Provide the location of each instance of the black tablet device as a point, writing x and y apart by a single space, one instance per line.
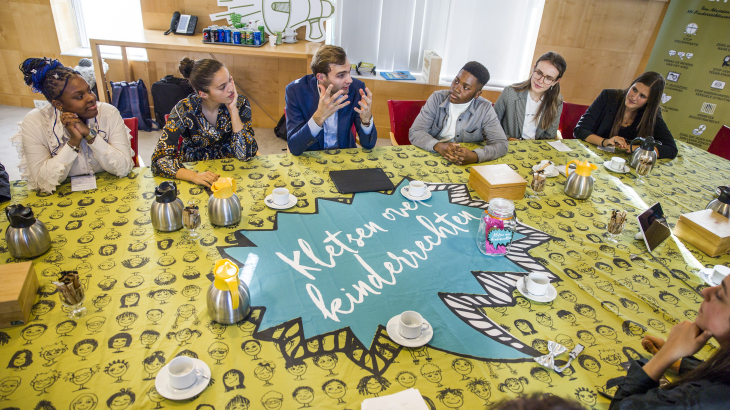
361 180
653 225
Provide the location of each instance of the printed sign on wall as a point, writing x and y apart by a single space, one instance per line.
692 52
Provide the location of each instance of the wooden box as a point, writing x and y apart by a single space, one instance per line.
431 67
497 181
707 230
17 295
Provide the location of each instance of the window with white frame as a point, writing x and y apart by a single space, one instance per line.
392 34
111 20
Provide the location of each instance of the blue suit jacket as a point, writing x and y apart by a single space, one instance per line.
302 98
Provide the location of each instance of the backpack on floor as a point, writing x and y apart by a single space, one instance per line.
166 93
132 101
280 129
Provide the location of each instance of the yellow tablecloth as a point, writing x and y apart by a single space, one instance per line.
146 290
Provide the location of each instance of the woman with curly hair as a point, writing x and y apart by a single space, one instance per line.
73 135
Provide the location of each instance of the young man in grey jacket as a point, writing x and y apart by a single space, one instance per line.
460 115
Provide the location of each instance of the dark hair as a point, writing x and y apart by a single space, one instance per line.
123 335
123 392
539 401
238 399
362 385
715 369
44 405
158 355
330 381
240 380
532 330
123 300
199 72
326 55
319 357
28 359
444 392
298 389
652 109
476 69
73 322
84 342
547 112
46 76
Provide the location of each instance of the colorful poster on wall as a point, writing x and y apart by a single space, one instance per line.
692 51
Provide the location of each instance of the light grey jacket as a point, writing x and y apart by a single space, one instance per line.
510 109
478 123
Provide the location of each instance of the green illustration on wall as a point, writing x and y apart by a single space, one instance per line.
280 15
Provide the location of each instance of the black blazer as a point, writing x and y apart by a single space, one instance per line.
599 120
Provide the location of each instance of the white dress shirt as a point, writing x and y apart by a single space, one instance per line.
47 160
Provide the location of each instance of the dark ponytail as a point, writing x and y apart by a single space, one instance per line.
46 76
199 72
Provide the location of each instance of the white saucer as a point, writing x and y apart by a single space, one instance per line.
392 329
706 274
607 164
269 201
551 294
426 195
553 175
163 386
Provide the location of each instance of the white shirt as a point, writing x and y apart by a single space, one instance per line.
449 130
529 128
330 128
46 160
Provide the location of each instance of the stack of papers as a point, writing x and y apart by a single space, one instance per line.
406 400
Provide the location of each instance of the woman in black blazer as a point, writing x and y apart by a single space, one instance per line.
616 117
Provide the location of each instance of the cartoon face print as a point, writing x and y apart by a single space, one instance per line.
66 327
611 357
165 278
8 386
335 389
101 301
586 396
218 351
217 329
272 400
117 369
148 338
481 388
33 332
247 328
568 296
161 295
126 319
523 303
587 311
82 376
406 379
567 317
264 371
155 397
129 300
154 315
587 337
632 328
463 367
544 319
41 308
541 375
85 347
252 348
50 353
326 361
20 360
121 400
42 381
191 291
565 340
451 398
432 373
134 281
608 333
657 325
303 395
372 385
297 370
515 385
589 363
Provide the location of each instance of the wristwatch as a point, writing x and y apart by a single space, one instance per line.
91 137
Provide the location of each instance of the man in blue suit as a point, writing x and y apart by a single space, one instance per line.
322 107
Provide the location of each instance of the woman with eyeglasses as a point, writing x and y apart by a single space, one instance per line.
531 110
73 135
617 117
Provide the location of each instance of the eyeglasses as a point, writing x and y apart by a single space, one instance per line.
546 79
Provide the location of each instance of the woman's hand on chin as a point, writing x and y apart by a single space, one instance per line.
685 339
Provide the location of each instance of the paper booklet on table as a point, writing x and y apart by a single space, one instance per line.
409 399
350 181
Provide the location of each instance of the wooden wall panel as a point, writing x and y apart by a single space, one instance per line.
605 43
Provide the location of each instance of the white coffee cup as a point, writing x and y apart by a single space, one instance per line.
281 196
618 163
719 272
181 372
411 324
416 189
272 41
537 283
550 169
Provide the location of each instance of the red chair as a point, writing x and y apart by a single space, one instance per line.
569 119
133 125
402 114
721 144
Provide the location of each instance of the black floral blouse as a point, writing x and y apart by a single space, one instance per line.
199 140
